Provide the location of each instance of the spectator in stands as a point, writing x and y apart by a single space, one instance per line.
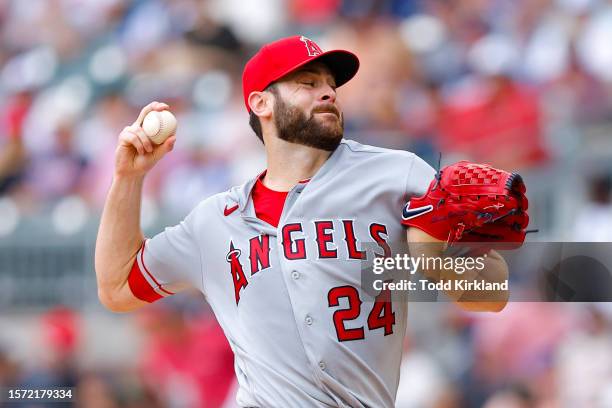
9 370
13 156
56 172
58 352
593 223
517 396
187 361
584 360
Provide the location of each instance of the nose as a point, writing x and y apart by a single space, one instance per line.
328 94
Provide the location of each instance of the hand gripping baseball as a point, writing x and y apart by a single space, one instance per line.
136 154
469 202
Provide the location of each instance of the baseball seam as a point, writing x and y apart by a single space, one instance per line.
161 126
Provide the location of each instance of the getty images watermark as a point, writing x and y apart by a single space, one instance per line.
464 273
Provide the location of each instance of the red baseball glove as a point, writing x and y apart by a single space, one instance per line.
469 202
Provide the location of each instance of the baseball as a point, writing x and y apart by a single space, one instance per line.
159 126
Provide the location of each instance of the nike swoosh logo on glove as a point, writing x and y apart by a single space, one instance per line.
408 213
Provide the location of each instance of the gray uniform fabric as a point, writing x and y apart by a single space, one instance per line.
291 349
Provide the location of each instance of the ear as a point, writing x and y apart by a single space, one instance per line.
261 103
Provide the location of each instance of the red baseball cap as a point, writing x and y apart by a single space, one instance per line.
281 57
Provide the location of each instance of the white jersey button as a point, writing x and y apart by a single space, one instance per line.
322 365
308 320
295 275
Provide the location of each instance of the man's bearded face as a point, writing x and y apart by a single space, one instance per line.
322 128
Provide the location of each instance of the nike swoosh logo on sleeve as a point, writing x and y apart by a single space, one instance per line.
228 211
408 213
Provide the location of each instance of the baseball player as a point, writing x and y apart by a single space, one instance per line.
278 258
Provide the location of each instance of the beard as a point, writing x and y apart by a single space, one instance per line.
295 127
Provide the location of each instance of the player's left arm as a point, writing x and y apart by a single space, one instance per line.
495 271
467 207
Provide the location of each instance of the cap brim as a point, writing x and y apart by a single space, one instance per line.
343 64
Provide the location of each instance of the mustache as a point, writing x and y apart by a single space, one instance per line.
328 107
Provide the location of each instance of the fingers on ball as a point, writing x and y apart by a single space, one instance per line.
144 139
137 143
156 106
153 106
160 106
170 142
143 113
130 136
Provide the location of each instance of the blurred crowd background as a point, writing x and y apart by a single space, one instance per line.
523 85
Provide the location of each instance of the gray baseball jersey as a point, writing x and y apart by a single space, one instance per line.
289 298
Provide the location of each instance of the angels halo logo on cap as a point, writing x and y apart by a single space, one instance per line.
279 58
311 46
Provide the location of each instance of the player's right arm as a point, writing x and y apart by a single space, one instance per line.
120 236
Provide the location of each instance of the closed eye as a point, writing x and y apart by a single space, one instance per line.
308 83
